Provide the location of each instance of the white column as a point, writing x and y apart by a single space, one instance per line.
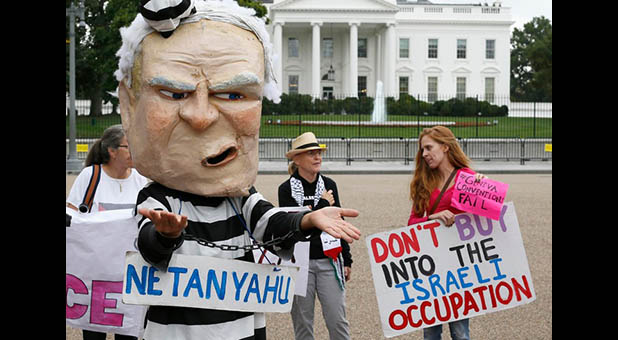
345 69
390 50
379 71
277 44
353 74
315 60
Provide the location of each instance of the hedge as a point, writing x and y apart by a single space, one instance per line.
406 105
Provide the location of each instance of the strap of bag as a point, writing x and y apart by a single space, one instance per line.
448 181
91 189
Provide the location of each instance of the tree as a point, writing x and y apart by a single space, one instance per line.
96 47
95 52
531 61
260 10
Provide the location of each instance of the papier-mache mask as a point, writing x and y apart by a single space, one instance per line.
191 99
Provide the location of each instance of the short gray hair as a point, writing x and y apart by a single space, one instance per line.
227 11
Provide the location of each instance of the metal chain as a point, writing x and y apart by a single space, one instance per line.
233 247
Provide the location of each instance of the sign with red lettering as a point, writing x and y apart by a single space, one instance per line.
429 274
484 197
95 254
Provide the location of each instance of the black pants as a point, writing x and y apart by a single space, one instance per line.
90 335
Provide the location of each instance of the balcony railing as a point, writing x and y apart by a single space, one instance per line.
453 12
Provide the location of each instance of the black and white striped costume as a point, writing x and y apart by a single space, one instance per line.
213 219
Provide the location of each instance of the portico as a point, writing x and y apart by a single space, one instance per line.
326 34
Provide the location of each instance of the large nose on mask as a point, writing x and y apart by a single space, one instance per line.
200 113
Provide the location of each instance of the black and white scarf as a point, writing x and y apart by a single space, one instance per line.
298 193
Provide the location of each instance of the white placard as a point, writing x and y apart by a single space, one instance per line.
209 282
428 274
96 244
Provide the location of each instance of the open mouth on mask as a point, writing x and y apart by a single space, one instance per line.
221 158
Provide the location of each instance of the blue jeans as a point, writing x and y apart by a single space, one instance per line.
460 330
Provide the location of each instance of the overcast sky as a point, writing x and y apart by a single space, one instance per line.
522 11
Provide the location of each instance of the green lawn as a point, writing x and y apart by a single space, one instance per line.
92 127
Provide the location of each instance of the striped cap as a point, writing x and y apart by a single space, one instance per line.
164 15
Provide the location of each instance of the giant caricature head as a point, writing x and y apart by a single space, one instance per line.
191 102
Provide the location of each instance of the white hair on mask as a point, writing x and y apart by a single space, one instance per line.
227 11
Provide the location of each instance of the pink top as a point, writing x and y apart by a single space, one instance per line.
445 201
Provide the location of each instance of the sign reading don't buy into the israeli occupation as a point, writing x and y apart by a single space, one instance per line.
428 274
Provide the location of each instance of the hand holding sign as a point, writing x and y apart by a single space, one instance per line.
483 197
446 216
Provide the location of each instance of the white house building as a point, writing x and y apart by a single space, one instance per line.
344 47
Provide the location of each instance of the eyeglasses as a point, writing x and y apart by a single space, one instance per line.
123 146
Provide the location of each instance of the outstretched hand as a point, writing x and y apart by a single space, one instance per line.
167 223
329 220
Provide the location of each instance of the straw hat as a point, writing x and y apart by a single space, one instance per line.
304 142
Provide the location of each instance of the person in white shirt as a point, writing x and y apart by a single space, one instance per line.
117 188
119 183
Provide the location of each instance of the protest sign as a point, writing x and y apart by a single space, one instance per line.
429 274
484 197
208 282
95 249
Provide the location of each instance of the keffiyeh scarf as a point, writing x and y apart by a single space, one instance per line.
330 245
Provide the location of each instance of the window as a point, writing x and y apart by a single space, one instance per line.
432 89
362 48
461 88
293 84
461 48
432 49
403 85
362 86
490 49
327 92
293 47
490 89
404 48
327 47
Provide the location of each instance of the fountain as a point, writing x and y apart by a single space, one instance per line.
379 106
378 118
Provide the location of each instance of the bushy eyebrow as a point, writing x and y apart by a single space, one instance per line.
172 84
239 80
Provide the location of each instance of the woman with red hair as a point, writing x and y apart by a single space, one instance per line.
438 160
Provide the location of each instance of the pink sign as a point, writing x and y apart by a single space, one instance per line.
484 198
